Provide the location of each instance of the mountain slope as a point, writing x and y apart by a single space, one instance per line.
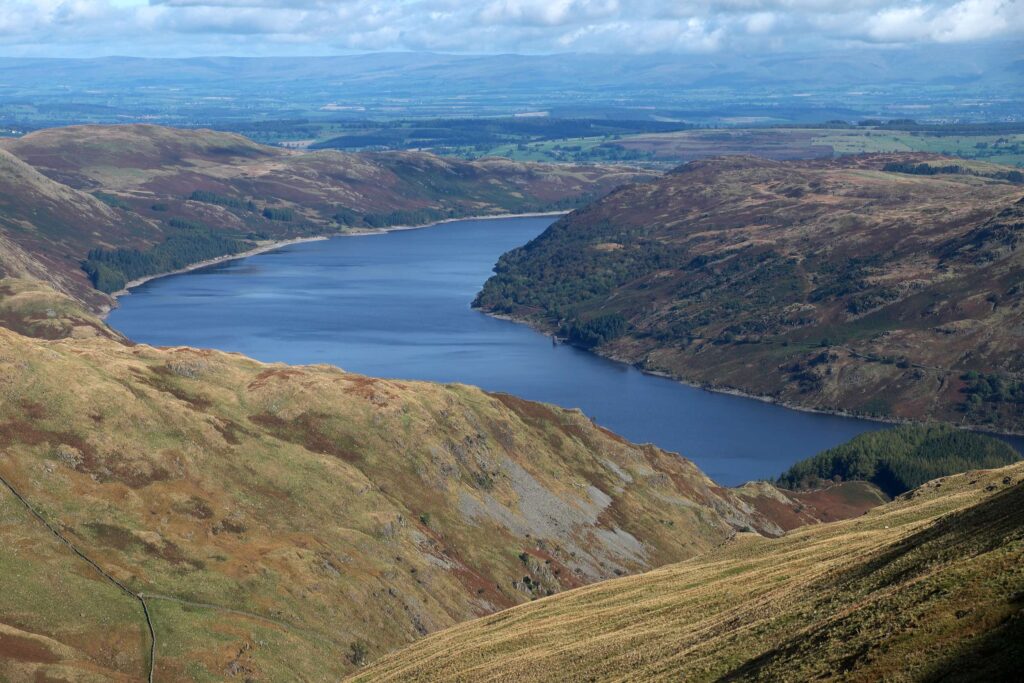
835 285
282 522
46 228
66 191
928 587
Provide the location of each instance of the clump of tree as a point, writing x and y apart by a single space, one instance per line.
279 214
956 169
596 331
112 201
407 217
899 459
347 217
987 394
208 197
110 270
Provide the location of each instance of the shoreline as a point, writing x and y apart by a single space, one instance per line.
732 391
260 248
268 246
363 232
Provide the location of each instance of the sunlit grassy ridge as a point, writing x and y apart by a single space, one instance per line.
928 587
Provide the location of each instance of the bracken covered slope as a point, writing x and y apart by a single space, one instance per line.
285 523
65 191
836 285
928 587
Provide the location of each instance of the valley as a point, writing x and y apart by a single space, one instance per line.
397 305
157 199
512 341
218 516
280 521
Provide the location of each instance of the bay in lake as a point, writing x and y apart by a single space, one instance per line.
398 305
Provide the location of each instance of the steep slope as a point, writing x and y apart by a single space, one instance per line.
66 191
928 587
47 228
833 285
282 522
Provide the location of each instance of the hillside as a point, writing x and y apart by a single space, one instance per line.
46 228
152 199
928 587
835 285
280 522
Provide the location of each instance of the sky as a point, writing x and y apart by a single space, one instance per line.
182 28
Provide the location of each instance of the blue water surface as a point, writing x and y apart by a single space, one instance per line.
398 305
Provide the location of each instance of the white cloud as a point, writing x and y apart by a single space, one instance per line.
64 27
963 21
761 22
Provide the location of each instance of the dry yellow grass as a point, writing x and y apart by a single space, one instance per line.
928 586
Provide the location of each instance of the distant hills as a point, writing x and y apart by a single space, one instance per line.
861 285
933 82
140 200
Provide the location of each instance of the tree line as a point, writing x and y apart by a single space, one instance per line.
110 270
897 460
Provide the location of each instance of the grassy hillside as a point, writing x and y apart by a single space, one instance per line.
928 587
897 460
282 522
827 284
138 200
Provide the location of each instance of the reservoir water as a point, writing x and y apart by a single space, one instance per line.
398 305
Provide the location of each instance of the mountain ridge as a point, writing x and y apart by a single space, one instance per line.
835 285
927 587
157 198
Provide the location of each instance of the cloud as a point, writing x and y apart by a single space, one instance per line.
175 27
964 21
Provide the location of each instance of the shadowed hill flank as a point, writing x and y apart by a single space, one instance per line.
139 200
928 587
834 285
295 522
47 228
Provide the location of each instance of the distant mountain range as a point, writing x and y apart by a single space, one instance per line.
702 88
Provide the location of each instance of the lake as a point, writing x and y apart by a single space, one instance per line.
398 305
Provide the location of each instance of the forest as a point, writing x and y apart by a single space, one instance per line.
899 459
111 270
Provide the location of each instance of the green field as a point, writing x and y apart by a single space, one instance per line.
1001 149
